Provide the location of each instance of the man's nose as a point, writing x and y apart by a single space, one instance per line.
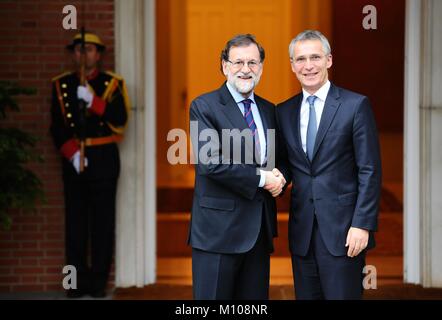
308 64
246 66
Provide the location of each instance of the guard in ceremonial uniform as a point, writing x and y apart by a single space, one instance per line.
89 194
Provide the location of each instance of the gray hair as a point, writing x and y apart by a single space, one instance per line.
240 40
310 35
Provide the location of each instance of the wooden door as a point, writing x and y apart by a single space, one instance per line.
210 24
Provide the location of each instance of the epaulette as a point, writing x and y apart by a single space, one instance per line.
61 75
114 75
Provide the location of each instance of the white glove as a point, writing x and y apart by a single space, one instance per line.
85 94
75 160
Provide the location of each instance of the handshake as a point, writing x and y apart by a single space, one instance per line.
274 182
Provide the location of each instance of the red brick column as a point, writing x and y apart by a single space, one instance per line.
32 51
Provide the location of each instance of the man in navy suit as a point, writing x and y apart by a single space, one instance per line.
330 152
233 218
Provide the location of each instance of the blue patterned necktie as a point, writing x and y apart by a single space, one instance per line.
312 127
248 116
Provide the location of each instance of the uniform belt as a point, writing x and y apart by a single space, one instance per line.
102 140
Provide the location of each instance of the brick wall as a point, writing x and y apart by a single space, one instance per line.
32 51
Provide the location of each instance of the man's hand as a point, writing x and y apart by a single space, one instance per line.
357 240
274 182
75 160
278 173
85 94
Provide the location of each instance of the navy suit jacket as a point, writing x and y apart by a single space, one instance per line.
228 206
342 183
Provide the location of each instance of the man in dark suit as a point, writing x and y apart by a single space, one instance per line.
89 194
330 151
233 213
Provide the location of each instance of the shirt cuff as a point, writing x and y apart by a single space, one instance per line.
98 106
262 179
69 148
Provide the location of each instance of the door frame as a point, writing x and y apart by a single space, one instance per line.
138 266
135 257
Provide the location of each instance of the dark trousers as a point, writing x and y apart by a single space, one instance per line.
242 276
90 222
320 275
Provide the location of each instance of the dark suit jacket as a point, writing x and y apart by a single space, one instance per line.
228 205
342 183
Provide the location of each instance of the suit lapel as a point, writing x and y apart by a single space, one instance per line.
263 112
265 119
295 111
231 110
295 120
233 114
331 106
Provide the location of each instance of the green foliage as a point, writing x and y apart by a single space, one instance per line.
20 188
7 92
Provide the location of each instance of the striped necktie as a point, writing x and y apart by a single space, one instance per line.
248 116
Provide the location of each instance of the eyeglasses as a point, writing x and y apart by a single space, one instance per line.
302 60
239 64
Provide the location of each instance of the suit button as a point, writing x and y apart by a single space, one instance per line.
311 200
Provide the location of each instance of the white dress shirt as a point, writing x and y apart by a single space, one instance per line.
319 103
257 118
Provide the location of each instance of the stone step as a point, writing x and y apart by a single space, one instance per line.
172 230
390 199
178 270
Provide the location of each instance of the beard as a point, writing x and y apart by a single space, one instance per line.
243 86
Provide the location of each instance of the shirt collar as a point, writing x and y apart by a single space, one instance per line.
237 96
321 94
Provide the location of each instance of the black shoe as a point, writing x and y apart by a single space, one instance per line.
98 294
75 293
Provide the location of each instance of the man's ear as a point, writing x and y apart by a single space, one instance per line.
329 61
225 71
292 65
